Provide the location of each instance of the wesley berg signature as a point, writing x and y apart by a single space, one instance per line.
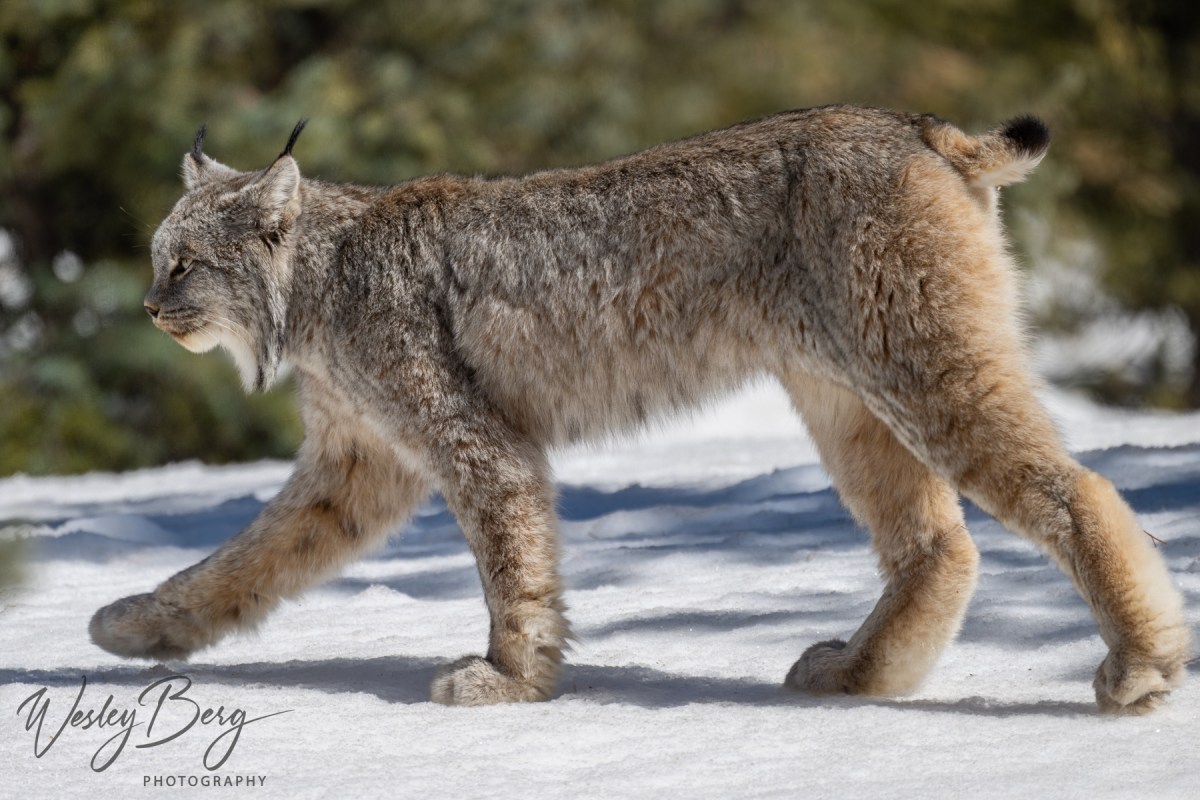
164 711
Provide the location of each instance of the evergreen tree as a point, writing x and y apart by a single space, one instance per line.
99 99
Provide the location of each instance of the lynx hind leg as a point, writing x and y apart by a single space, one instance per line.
343 498
1006 457
936 353
974 416
500 491
1113 563
917 530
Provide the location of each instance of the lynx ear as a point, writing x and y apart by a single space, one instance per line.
199 169
276 194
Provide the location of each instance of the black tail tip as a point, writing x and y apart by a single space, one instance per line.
1029 134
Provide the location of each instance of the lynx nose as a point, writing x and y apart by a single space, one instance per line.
151 309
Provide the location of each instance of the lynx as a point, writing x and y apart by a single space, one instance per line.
447 331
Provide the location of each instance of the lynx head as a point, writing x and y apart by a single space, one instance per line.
222 260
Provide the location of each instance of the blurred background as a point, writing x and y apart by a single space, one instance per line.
99 100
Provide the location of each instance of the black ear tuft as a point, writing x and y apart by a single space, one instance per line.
198 145
287 151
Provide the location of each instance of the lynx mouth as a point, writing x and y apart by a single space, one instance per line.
200 340
197 338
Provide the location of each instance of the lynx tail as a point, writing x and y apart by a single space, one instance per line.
999 158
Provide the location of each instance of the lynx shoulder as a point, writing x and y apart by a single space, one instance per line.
446 331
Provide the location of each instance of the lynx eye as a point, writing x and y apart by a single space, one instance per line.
182 267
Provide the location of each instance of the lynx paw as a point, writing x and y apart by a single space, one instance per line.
822 670
141 626
1131 685
475 681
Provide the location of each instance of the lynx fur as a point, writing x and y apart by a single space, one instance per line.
446 331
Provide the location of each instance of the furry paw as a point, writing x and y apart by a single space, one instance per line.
475 681
821 670
141 626
1131 685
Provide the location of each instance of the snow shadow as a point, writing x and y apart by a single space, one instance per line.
788 501
406 680
636 517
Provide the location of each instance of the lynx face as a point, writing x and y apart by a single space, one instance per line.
221 263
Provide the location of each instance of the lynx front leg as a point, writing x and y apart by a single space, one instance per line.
924 550
343 498
498 487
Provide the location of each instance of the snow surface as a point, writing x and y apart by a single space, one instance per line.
700 560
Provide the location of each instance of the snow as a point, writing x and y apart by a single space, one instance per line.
700 560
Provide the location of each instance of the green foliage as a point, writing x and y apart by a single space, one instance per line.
99 100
